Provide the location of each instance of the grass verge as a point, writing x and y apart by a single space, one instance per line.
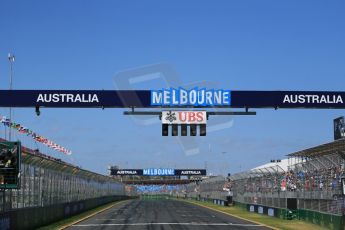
84 215
273 222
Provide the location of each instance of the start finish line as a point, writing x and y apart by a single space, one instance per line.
172 98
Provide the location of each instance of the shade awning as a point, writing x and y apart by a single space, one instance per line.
337 146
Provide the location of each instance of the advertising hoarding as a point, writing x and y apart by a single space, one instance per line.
158 172
339 128
184 117
10 160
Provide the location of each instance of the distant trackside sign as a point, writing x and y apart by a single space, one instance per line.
158 172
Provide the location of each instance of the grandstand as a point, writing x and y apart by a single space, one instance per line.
307 185
311 181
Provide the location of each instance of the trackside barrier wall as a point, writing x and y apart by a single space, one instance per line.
210 200
324 219
34 217
154 197
52 189
327 220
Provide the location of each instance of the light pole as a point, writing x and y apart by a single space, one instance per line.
11 59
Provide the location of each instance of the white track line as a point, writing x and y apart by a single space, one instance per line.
147 224
114 219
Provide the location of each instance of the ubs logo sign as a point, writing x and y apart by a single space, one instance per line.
184 117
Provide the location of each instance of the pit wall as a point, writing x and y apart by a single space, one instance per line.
221 202
212 195
154 196
34 217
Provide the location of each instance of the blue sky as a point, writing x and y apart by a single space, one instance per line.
254 45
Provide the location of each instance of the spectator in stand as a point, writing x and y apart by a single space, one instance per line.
283 185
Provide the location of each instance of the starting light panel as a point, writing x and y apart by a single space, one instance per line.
193 130
203 130
165 130
183 130
174 130
10 161
183 119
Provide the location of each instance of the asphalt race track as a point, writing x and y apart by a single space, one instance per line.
162 214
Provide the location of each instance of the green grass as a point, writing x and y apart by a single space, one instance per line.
65 222
263 219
